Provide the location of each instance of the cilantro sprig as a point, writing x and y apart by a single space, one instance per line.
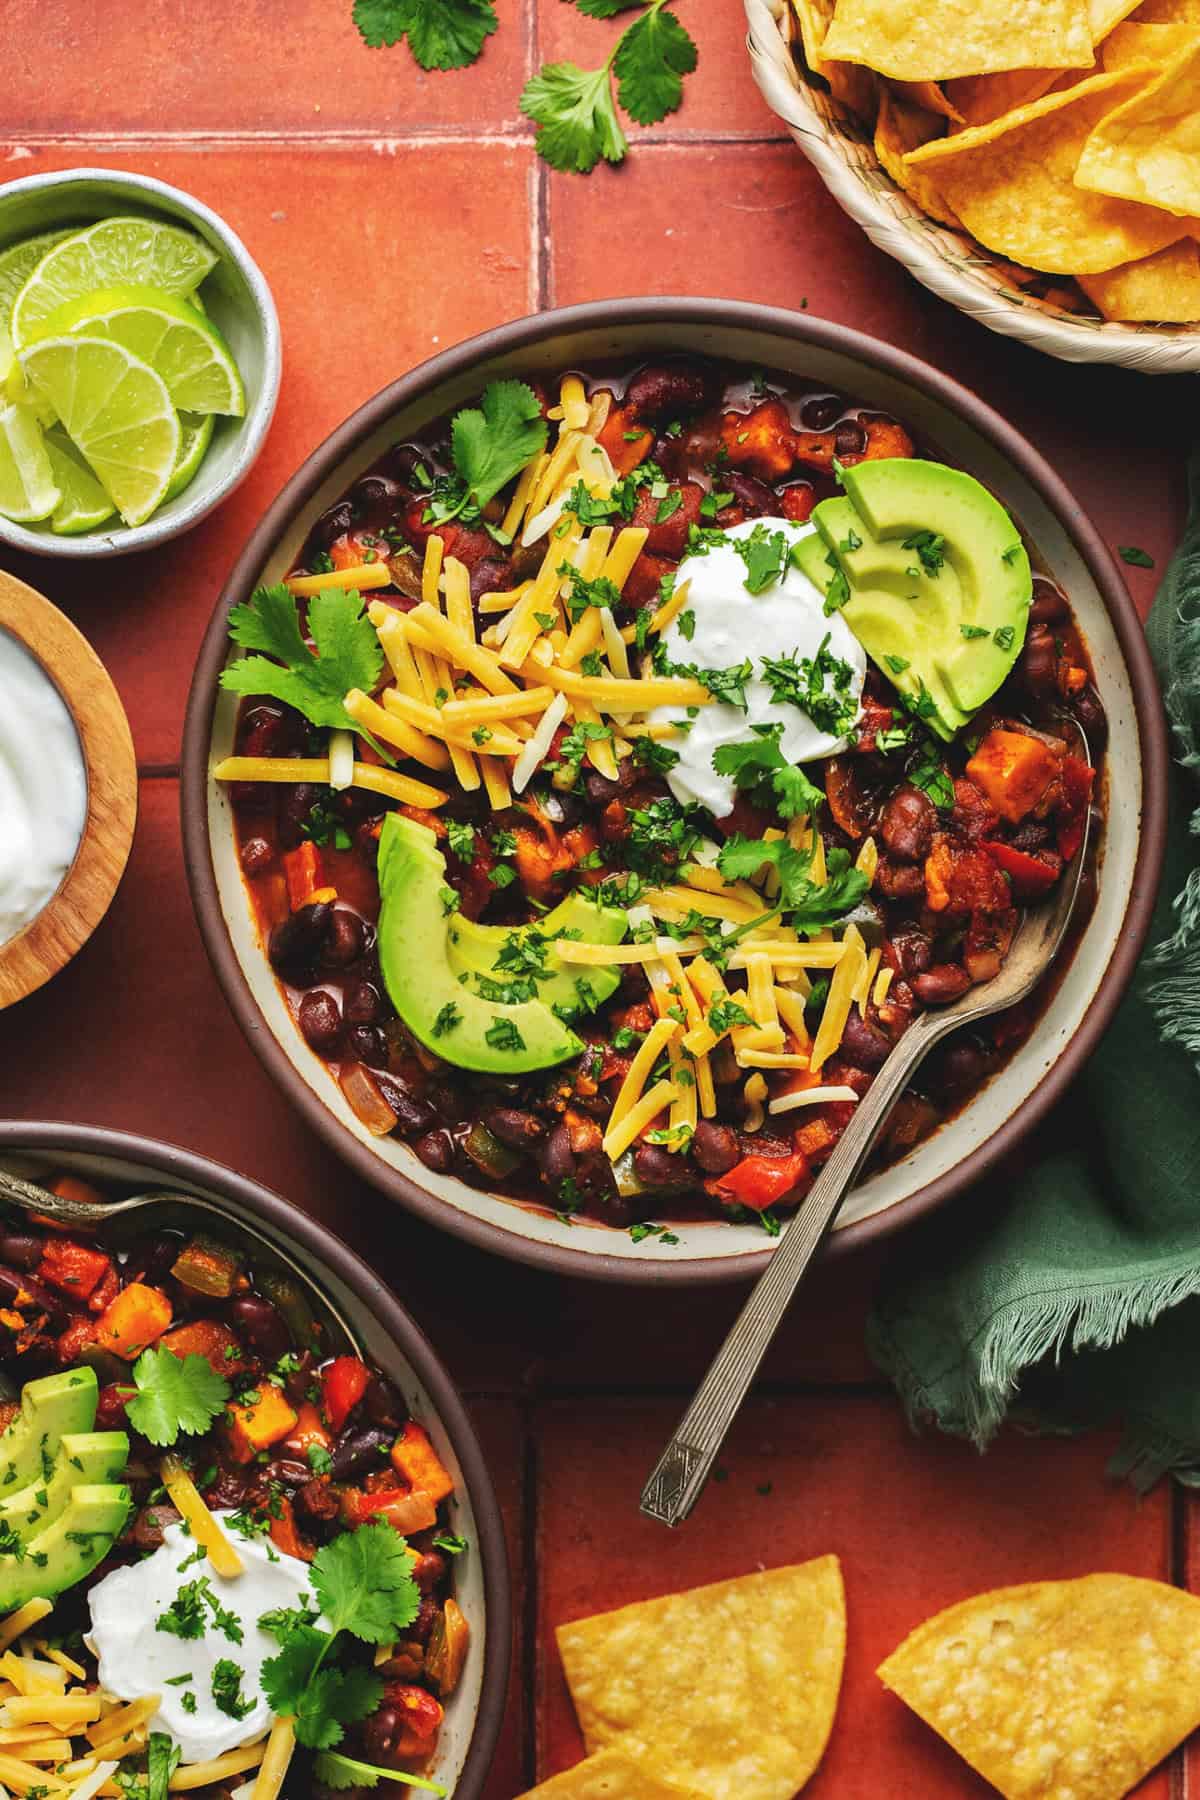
760 768
442 34
810 905
345 654
176 1396
576 109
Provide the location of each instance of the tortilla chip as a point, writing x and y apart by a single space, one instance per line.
1012 183
1168 12
1158 44
982 98
851 86
1163 289
943 38
609 1776
1058 1687
814 17
1105 15
1149 148
899 129
730 1690
931 96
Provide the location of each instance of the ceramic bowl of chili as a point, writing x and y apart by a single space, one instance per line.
862 389
74 1287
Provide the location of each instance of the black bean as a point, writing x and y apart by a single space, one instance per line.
21 1249
413 1112
362 1003
436 1151
1039 663
256 856
557 1159
150 1524
366 842
821 411
367 1043
715 1147
17 1288
344 941
1089 710
518 1129
357 1451
755 498
374 498
403 461
958 1069
382 1733
150 1257
320 1021
383 1404
1048 604
656 1167
288 1472
334 523
450 1104
261 1324
849 438
292 812
296 941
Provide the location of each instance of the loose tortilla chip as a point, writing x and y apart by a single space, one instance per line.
1012 183
1163 289
1158 44
1149 148
609 1776
729 1690
943 38
899 129
1058 1687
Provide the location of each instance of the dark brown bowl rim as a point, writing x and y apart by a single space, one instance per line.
803 328
194 1170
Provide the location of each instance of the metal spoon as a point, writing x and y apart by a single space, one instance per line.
32 1198
685 1465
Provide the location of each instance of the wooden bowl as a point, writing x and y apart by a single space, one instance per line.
67 921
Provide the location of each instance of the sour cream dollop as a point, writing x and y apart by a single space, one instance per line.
43 788
136 1658
729 625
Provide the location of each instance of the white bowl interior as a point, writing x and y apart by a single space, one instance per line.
462 1708
237 301
706 1242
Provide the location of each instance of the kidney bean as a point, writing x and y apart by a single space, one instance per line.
403 460
17 1288
367 1043
297 1381
715 1147
294 806
295 943
333 523
958 1069
941 984
898 880
413 1112
256 856
755 498
864 1044
906 824
150 1257
374 498
228 1491
357 1451
1048 604
318 1499
1039 663
345 939
1089 710
366 841
428 1570
261 1324
557 1159
362 1003
519 1130
656 1167
151 1522
849 438
913 950
288 1472
663 392
383 1404
22 1249
436 1151
821 411
320 1021
421 1629
489 576
381 1733
449 1103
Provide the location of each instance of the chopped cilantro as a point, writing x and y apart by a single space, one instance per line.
974 631
1003 636
449 1019
503 1035
930 547
819 685
227 1689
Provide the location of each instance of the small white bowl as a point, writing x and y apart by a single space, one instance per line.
949 262
239 302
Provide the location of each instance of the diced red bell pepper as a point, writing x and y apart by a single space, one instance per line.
406 1513
1031 878
421 1713
103 1296
73 1268
759 1181
343 1383
305 876
1077 778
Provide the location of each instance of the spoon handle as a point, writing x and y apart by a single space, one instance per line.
687 1462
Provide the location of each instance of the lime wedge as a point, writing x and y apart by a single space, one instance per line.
83 503
17 264
197 435
181 345
113 253
27 490
116 411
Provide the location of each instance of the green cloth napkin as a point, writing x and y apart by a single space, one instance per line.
1070 1295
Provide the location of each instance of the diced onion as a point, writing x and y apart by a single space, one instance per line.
341 759
525 765
813 1096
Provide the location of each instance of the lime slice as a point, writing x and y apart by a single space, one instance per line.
27 490
113 253
116 411
17 264
197 431
83 504
181 345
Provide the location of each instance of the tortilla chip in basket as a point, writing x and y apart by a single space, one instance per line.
1163 289
1136 43
609 1776
943 38
1148 149
851 86
1169 12
1012 183
1058 1687
982 98
728 1690
899 129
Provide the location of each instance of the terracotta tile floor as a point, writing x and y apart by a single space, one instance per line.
395 213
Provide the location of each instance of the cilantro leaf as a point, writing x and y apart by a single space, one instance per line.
765 554
286 1675
577 115
442 34
175 1396
162 1760
761 764
362 1583
605 9
1136 556
347 649
493 441
650 62
333 1699
811 905
336 1771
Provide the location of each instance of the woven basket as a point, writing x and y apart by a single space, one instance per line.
840 148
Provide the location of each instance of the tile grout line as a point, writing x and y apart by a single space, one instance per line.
22 145
541 271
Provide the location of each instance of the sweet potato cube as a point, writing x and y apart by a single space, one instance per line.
1014 772
212 1340
136 1319
256 1423
417 1462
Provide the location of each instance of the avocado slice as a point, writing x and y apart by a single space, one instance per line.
570 989
901 498
50 1408
85 1458
432 997
67 1550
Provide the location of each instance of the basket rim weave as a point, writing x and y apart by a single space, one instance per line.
946 261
